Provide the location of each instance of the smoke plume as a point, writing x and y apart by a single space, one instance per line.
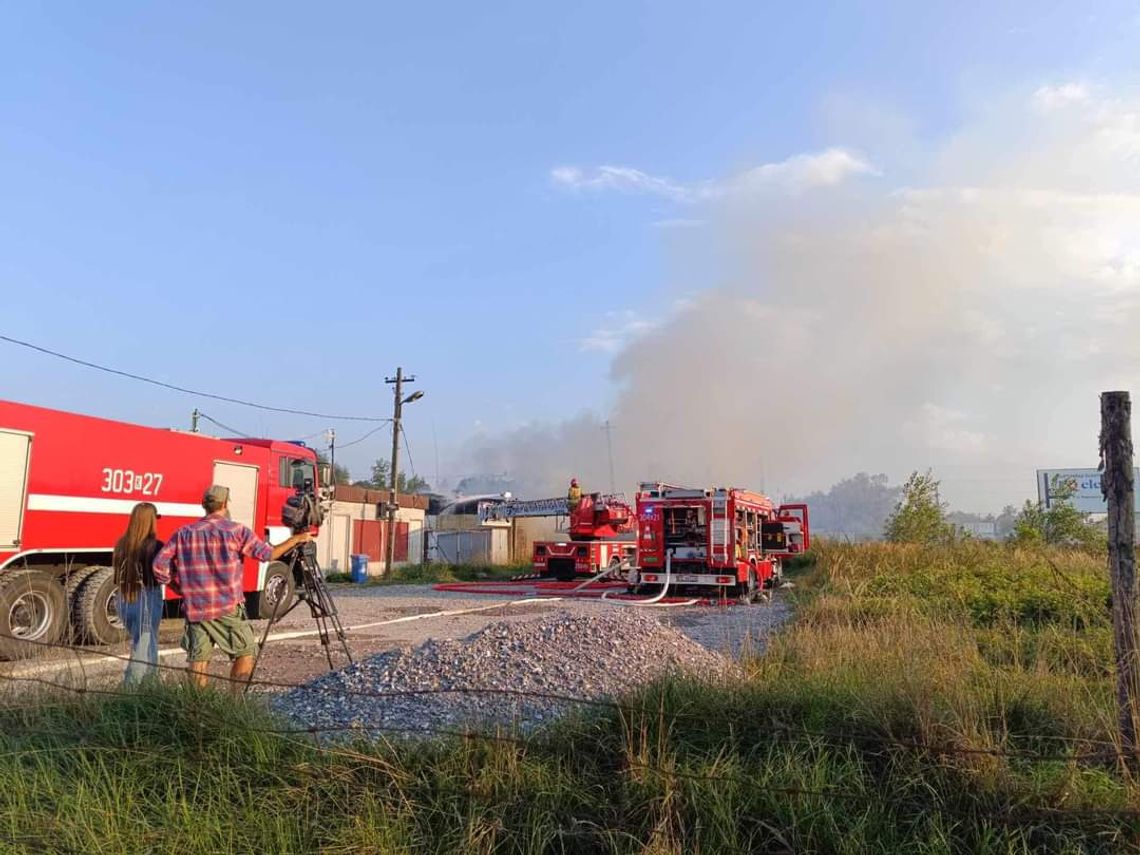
963 317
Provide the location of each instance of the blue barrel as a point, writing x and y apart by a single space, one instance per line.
359 568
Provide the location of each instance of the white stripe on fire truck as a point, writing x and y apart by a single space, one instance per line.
93 505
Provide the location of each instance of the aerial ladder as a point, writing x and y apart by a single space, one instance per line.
600 529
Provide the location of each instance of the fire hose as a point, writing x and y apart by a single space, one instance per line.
561 590
655 600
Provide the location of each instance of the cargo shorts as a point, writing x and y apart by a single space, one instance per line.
231 633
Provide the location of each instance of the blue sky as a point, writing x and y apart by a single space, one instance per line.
283 202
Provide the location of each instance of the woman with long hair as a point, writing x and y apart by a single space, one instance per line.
140 597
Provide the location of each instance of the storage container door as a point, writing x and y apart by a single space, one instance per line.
242 481
13 484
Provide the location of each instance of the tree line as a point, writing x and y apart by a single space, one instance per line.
869 507
379 478
919 516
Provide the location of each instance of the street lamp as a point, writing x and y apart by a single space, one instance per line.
393 505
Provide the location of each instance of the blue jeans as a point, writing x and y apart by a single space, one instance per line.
141 619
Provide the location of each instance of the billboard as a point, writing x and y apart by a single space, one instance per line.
1085 482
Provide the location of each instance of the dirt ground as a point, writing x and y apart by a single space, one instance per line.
378 619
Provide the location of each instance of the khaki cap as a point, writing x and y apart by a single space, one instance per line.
216 494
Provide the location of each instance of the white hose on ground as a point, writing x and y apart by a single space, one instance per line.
655 600
593 579
647 605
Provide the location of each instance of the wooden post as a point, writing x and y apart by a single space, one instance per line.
1119 491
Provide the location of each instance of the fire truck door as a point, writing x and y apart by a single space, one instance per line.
13 485
242 481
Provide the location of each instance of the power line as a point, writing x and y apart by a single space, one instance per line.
321 432
183 389
1014 813
839 738
231 430
345 445
408 448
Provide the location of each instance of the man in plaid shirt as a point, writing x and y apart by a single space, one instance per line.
204 560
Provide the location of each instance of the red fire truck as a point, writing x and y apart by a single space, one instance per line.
68 483
600 533
730 539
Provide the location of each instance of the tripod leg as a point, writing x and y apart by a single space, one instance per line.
315 592
276 616
323 629
257 656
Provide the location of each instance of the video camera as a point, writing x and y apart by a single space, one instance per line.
303 510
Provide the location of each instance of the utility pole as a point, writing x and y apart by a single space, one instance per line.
332 455
399 400
194 420
610 448
1119 489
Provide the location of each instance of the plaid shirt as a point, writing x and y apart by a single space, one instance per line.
205 560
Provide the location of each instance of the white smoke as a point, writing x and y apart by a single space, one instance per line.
965 321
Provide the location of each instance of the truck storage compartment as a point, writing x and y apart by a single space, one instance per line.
685 526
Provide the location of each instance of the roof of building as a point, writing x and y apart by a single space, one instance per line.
370 496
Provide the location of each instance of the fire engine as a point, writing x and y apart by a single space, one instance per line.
600 533
729 539
67 485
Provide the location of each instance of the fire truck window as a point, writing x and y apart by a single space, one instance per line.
295 472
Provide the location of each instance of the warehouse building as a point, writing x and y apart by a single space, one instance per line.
357 525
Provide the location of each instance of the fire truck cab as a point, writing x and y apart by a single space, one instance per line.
728 539
68 483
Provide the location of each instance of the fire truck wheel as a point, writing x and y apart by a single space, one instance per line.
277 595
748 591
96 614
33 612
75 579
71 588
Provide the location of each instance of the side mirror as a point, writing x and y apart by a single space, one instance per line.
324 472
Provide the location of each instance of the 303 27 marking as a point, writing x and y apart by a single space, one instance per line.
128 481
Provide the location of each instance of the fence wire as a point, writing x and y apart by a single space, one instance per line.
1105 751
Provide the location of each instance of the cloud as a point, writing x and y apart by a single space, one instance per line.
618 331
796 173
825 169
1055 97
622 328
620 178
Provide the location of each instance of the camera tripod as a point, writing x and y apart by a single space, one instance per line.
313 590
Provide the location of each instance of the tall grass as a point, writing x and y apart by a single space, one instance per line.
879 722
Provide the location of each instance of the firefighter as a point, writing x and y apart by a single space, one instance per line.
574 495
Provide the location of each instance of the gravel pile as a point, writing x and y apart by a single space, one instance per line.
580 656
